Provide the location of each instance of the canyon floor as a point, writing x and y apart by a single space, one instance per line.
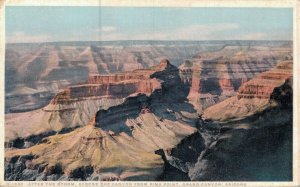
149 111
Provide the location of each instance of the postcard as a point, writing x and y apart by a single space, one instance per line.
149 93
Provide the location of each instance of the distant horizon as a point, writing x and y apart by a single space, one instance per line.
147 41
60 24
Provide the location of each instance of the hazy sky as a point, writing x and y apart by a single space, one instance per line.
44 24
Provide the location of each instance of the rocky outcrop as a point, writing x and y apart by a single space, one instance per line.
76 105
242 146
50 67
262 86
111 90
119 142
84 154
36 66
215 76
252 96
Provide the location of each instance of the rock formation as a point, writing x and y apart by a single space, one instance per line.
116 141
146 124
85 153
215 76
247 137
75 105
252 96
36 72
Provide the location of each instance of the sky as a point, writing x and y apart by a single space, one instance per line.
49 24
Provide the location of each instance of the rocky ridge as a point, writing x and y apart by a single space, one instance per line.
115 137
253 95
247 137
36 72
76 105
215 76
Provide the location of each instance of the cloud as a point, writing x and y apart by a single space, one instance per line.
193 32
112 37
275 35
221 31
107 29
21 37
254 36
201 32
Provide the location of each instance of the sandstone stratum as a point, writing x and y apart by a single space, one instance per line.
215 76
254 95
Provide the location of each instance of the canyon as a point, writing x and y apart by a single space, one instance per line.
132 119
35 73
151 119
247 137
215 76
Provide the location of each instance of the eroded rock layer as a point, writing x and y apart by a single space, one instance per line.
117 142
77 104
36 72
253 95
215 76
247 137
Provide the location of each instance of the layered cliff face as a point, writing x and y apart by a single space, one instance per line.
111 86
253 96
36 72
77 104
247 137
215 76
87 153
118 142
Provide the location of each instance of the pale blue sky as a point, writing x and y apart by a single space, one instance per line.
44 24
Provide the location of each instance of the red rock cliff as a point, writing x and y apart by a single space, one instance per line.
118 85
264 84
253 96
